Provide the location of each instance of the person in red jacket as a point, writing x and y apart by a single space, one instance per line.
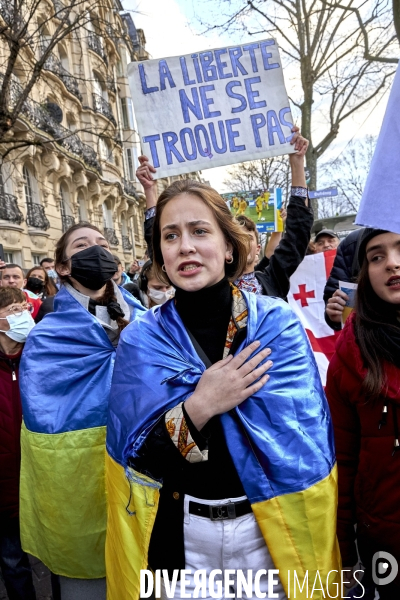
15 324
363 390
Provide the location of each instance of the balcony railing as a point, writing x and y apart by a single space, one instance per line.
67 221
111 236
9 210
126 243
100 105
40 117
53 64
129 188
36 217
95 43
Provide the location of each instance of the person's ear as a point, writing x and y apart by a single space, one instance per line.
24 284
64 269
229 250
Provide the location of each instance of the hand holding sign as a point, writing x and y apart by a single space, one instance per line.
144 174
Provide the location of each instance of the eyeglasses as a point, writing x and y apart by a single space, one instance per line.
15 310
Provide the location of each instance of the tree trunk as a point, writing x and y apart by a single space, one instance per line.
396 17
306 126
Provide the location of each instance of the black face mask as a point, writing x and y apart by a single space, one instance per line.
35 285
93 267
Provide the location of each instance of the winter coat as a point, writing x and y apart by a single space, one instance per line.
10 428
345 268
369 491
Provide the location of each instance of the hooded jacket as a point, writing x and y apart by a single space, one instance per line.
369 494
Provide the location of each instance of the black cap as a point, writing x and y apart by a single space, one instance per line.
329 232
367 235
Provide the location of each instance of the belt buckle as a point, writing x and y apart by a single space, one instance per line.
222 512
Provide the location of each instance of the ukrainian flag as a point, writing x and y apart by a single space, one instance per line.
280 439
65 374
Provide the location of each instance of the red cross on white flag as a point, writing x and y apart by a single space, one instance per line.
306 299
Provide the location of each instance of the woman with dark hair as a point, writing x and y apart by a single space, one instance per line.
66 375
363 384
218 458
154 291
38 282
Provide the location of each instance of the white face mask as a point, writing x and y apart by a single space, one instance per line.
20 326
160 297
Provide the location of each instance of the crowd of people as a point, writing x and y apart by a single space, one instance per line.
196 381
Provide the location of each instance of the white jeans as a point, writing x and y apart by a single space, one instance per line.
235 544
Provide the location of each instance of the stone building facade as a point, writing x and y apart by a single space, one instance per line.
81 162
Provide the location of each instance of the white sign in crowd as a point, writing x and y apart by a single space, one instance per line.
212 108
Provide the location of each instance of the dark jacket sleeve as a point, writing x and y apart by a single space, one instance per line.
345 268
291 250
347 441
148 236
263 264
46 307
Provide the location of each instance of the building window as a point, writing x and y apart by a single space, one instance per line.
129 162
127 113
8 257
83 215
36 258
29 193
105 150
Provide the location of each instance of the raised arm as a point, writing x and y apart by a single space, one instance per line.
290 251
145 175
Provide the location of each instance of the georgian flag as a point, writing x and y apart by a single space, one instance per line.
306 299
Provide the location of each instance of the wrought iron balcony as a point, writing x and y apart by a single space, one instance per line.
113 34
36 217
111 236
100 105
126 243
129 188
95 43
67 221
53 64
9 210
41 118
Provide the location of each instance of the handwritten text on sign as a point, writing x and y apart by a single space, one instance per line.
212 108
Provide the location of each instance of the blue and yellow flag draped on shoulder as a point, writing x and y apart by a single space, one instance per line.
65 379
280 439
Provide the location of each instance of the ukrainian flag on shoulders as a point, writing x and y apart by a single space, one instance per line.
65 380
280 439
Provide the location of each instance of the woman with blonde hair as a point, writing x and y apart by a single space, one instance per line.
220 460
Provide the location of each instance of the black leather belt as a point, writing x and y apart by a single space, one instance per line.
220 512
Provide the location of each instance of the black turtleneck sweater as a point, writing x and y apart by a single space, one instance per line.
206 314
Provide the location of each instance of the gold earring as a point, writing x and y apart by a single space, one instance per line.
230 260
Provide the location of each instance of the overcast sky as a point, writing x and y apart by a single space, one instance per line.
172 28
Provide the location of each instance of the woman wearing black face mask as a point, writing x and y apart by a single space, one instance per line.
38 282
65 381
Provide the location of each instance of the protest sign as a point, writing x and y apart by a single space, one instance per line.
379 203
212 108
260 206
